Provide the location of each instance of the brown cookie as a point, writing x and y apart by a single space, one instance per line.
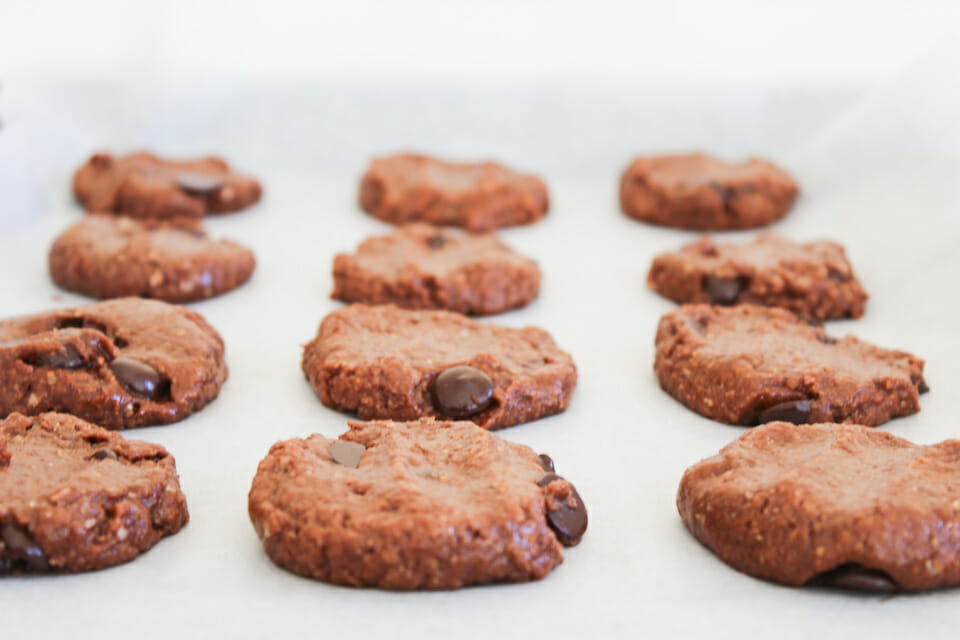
750 365
420 266
122 363
385 362
115 256
141 185
814 280
477 196
696 191
830 505
413 505
75 497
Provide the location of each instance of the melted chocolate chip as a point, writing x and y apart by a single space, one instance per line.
462 391
920 383
21 551
69 358
103 454
346 453
724 291
436 241
198 184
546 462
140 378
795 411
855 577
68 323
568 524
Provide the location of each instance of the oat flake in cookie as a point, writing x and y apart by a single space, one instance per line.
749 365
420 266
75 497
414 505
477 196
830 505
697 191
142 185
390 363
122 363
814 280
116 256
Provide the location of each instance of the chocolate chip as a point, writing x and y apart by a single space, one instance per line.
795 411
725 193
68 323
103 454
346 453
837 276
568 524
546 462
855 577
198 184
436 241
140 378
462 391
920 383
825 339
724 291
69 358
21 550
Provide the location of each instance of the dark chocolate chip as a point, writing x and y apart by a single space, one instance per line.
103 454
68 323
795 411
198 184
547 479
436 241
140 378
462 391
69 358
825 339
837 276
724 291
920 383
855 577
546 462
346 453
568 524
21 550
725 193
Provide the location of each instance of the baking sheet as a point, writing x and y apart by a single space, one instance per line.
879 173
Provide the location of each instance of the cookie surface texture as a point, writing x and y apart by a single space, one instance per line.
748 365
413 505
420 266
122 363
75 497
697 191
477 196
390 363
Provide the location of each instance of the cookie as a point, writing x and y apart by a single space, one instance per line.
414 505
749 365
386 362
75 497
477 196
142 185
122 363
696 191
420 266
830 505
814 280
116 256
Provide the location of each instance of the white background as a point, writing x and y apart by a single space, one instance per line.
859 100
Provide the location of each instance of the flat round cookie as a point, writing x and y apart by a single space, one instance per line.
414 505
420 266
116 256
477 196
122 363
142 185
749 365
814 279
75 497
697 191
386 362
830 505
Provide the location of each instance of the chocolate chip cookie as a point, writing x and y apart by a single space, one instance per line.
830 505
116 256
814 280
75 497
420 266
122 363
697 191
478 196
749 365
386 362
142 185
414 505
